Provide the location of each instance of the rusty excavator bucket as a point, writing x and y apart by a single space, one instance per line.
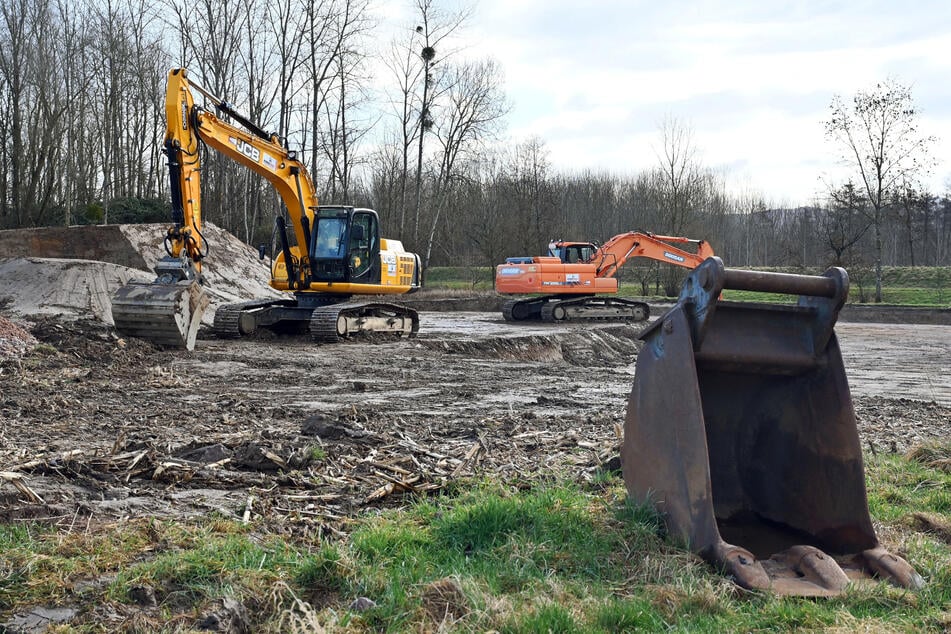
740 430
167 311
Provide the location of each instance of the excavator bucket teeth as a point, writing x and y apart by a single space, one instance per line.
165 314
740 430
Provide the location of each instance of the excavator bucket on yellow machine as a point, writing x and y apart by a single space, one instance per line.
740 430
167 311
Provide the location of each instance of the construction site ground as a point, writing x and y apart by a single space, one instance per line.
103 428
98 428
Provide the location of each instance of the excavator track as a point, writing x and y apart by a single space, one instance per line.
557 308
595 308
336 322
522 309
236 320
226 323
168 315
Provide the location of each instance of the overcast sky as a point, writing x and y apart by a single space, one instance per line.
753 80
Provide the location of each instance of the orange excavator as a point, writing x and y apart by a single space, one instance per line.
570 282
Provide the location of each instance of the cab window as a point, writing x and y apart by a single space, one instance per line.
363 233
330 238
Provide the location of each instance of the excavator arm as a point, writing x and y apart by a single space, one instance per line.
250 146
614 253
181 149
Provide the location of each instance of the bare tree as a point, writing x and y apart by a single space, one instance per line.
529 171
34 111
414 62
78 172
880 142
474 105
288 24
844 223
211 33
258 66
400 59
680 178
911 208
15 45
343 98
682 188
943 230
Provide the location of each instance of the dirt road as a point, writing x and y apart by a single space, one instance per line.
898 360
894 361
310 436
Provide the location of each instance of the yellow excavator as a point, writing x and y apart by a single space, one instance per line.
331 254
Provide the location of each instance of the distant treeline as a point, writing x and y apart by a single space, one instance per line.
81 125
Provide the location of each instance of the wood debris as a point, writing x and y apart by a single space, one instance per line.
19 483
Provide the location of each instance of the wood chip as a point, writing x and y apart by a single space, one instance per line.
18 482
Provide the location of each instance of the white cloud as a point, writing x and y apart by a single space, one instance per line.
594 80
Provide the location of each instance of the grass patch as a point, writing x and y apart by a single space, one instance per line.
899 485
552 558
935 454
316 453
460 277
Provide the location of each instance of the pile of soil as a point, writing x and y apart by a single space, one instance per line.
14 340
70 289
50 281
233 271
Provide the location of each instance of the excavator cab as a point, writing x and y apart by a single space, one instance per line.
345 245
572 252
740 430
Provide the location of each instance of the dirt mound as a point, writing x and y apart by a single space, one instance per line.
14 341
612 345
66 288
52 280
232 270
92 342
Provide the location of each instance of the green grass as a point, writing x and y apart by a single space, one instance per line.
460 277
558 557
316 453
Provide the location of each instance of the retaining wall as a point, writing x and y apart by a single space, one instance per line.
105 243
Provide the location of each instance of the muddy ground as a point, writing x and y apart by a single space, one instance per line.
98 428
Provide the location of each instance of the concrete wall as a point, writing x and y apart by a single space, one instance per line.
105 243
